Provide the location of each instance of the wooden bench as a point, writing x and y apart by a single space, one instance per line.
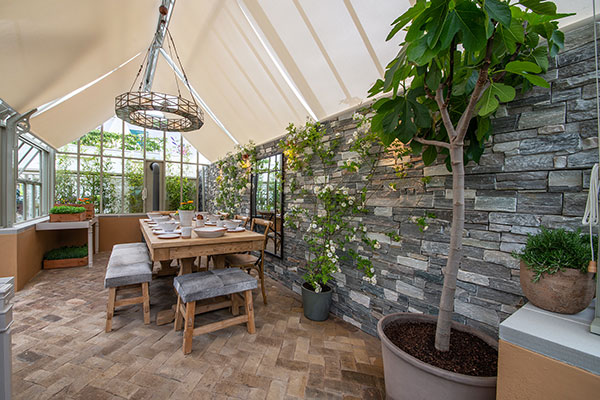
204 285
129 266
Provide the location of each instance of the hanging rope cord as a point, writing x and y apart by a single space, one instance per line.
174 74
185 78
592 212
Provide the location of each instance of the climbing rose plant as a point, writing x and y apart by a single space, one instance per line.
458 60
331 225
233 179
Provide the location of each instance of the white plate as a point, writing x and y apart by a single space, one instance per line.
210 223
147 220
159 231
210 232
168 236
238 229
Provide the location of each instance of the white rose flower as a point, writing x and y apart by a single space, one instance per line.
350 201
350 141
354 238
329 255
377 245
338 134
314 226
318 288
343 204
337 227
372 269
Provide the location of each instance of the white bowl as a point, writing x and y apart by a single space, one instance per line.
210 232
232 223
175 216
168 226
153 215
162 218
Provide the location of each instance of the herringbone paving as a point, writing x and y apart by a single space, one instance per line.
60 349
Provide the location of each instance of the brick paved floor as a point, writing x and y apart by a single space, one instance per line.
60 350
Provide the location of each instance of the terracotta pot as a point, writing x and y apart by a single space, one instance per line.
566 292
408 378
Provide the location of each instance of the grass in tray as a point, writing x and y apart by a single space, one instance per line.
66 210
67 252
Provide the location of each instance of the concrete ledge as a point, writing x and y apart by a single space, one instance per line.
566 338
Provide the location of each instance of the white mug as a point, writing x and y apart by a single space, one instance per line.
220 223
186 232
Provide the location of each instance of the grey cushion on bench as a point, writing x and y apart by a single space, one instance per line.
129 274
139 245
128 255
208 284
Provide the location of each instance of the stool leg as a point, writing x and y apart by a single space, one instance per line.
249 311
235 307
146 305
178 315
188 333
110 308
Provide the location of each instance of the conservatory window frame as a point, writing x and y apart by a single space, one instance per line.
199 179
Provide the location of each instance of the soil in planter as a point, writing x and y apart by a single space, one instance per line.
468 354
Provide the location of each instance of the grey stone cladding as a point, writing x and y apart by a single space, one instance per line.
535 171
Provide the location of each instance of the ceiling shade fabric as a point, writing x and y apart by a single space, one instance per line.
257 64
50 48
85 111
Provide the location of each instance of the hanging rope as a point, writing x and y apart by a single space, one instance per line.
187 83
174 75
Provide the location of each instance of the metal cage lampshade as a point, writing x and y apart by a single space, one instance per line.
134 107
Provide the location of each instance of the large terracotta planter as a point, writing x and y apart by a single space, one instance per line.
565 292
408 378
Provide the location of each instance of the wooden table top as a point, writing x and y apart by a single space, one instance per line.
230 237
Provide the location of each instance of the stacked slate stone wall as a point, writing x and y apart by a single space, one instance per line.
535 172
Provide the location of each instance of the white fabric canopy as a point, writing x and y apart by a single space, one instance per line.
257 64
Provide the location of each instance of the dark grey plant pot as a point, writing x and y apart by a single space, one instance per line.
316 305
408 378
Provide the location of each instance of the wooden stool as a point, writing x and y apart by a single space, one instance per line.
212 284
129 266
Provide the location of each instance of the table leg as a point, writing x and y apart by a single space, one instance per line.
219 261
97 237
166 269
186 265
90 247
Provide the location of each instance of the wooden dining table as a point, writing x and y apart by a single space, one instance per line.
187 250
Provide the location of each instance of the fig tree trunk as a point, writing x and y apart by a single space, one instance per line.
442 333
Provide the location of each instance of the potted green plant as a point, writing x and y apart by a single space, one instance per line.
67 214
329 225
186 212
458 60
554 271
66 257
